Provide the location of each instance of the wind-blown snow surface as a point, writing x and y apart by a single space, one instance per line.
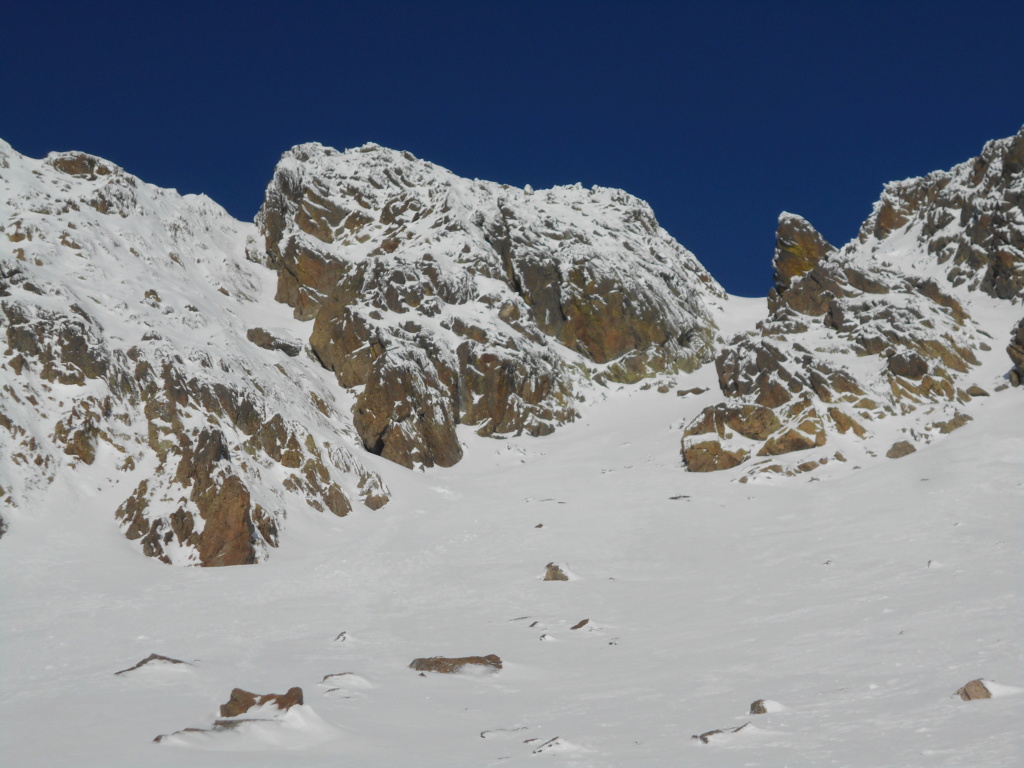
859 603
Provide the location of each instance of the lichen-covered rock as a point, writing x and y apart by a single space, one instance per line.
464 302
228 534
240 703
81 165
798 249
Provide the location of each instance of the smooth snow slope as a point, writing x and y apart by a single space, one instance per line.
860 603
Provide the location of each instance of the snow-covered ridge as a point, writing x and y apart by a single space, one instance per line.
872 619
492 306
967 221
125 309
145 352
882 345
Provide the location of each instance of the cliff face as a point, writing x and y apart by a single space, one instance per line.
887 328
449 301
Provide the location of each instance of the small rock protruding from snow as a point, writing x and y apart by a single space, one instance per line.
974 690
151 659
900 449
765 707
707 735
555 573
491 662
241 701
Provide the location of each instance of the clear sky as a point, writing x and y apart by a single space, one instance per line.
720 115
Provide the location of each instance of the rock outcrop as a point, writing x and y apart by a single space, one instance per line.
705 738
153 658
878 329
1016 353
966 219
974 690
798 249
241 701
441 301
554 572
444 665
899 449
123 347
263 338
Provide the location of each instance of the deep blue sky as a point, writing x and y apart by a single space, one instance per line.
719 115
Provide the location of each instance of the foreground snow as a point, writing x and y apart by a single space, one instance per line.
856 604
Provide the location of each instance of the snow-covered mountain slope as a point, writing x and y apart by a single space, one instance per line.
860 604
153 387
125 309
880 346
448 301
142 341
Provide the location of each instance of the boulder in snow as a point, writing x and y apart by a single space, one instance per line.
242 701
448 666
974 690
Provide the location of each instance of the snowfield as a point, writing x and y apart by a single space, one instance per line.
859 603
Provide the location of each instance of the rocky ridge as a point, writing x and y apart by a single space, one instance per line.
124 310
137 344
444 301
145 352
880 329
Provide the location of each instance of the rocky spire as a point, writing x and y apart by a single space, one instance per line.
798 249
